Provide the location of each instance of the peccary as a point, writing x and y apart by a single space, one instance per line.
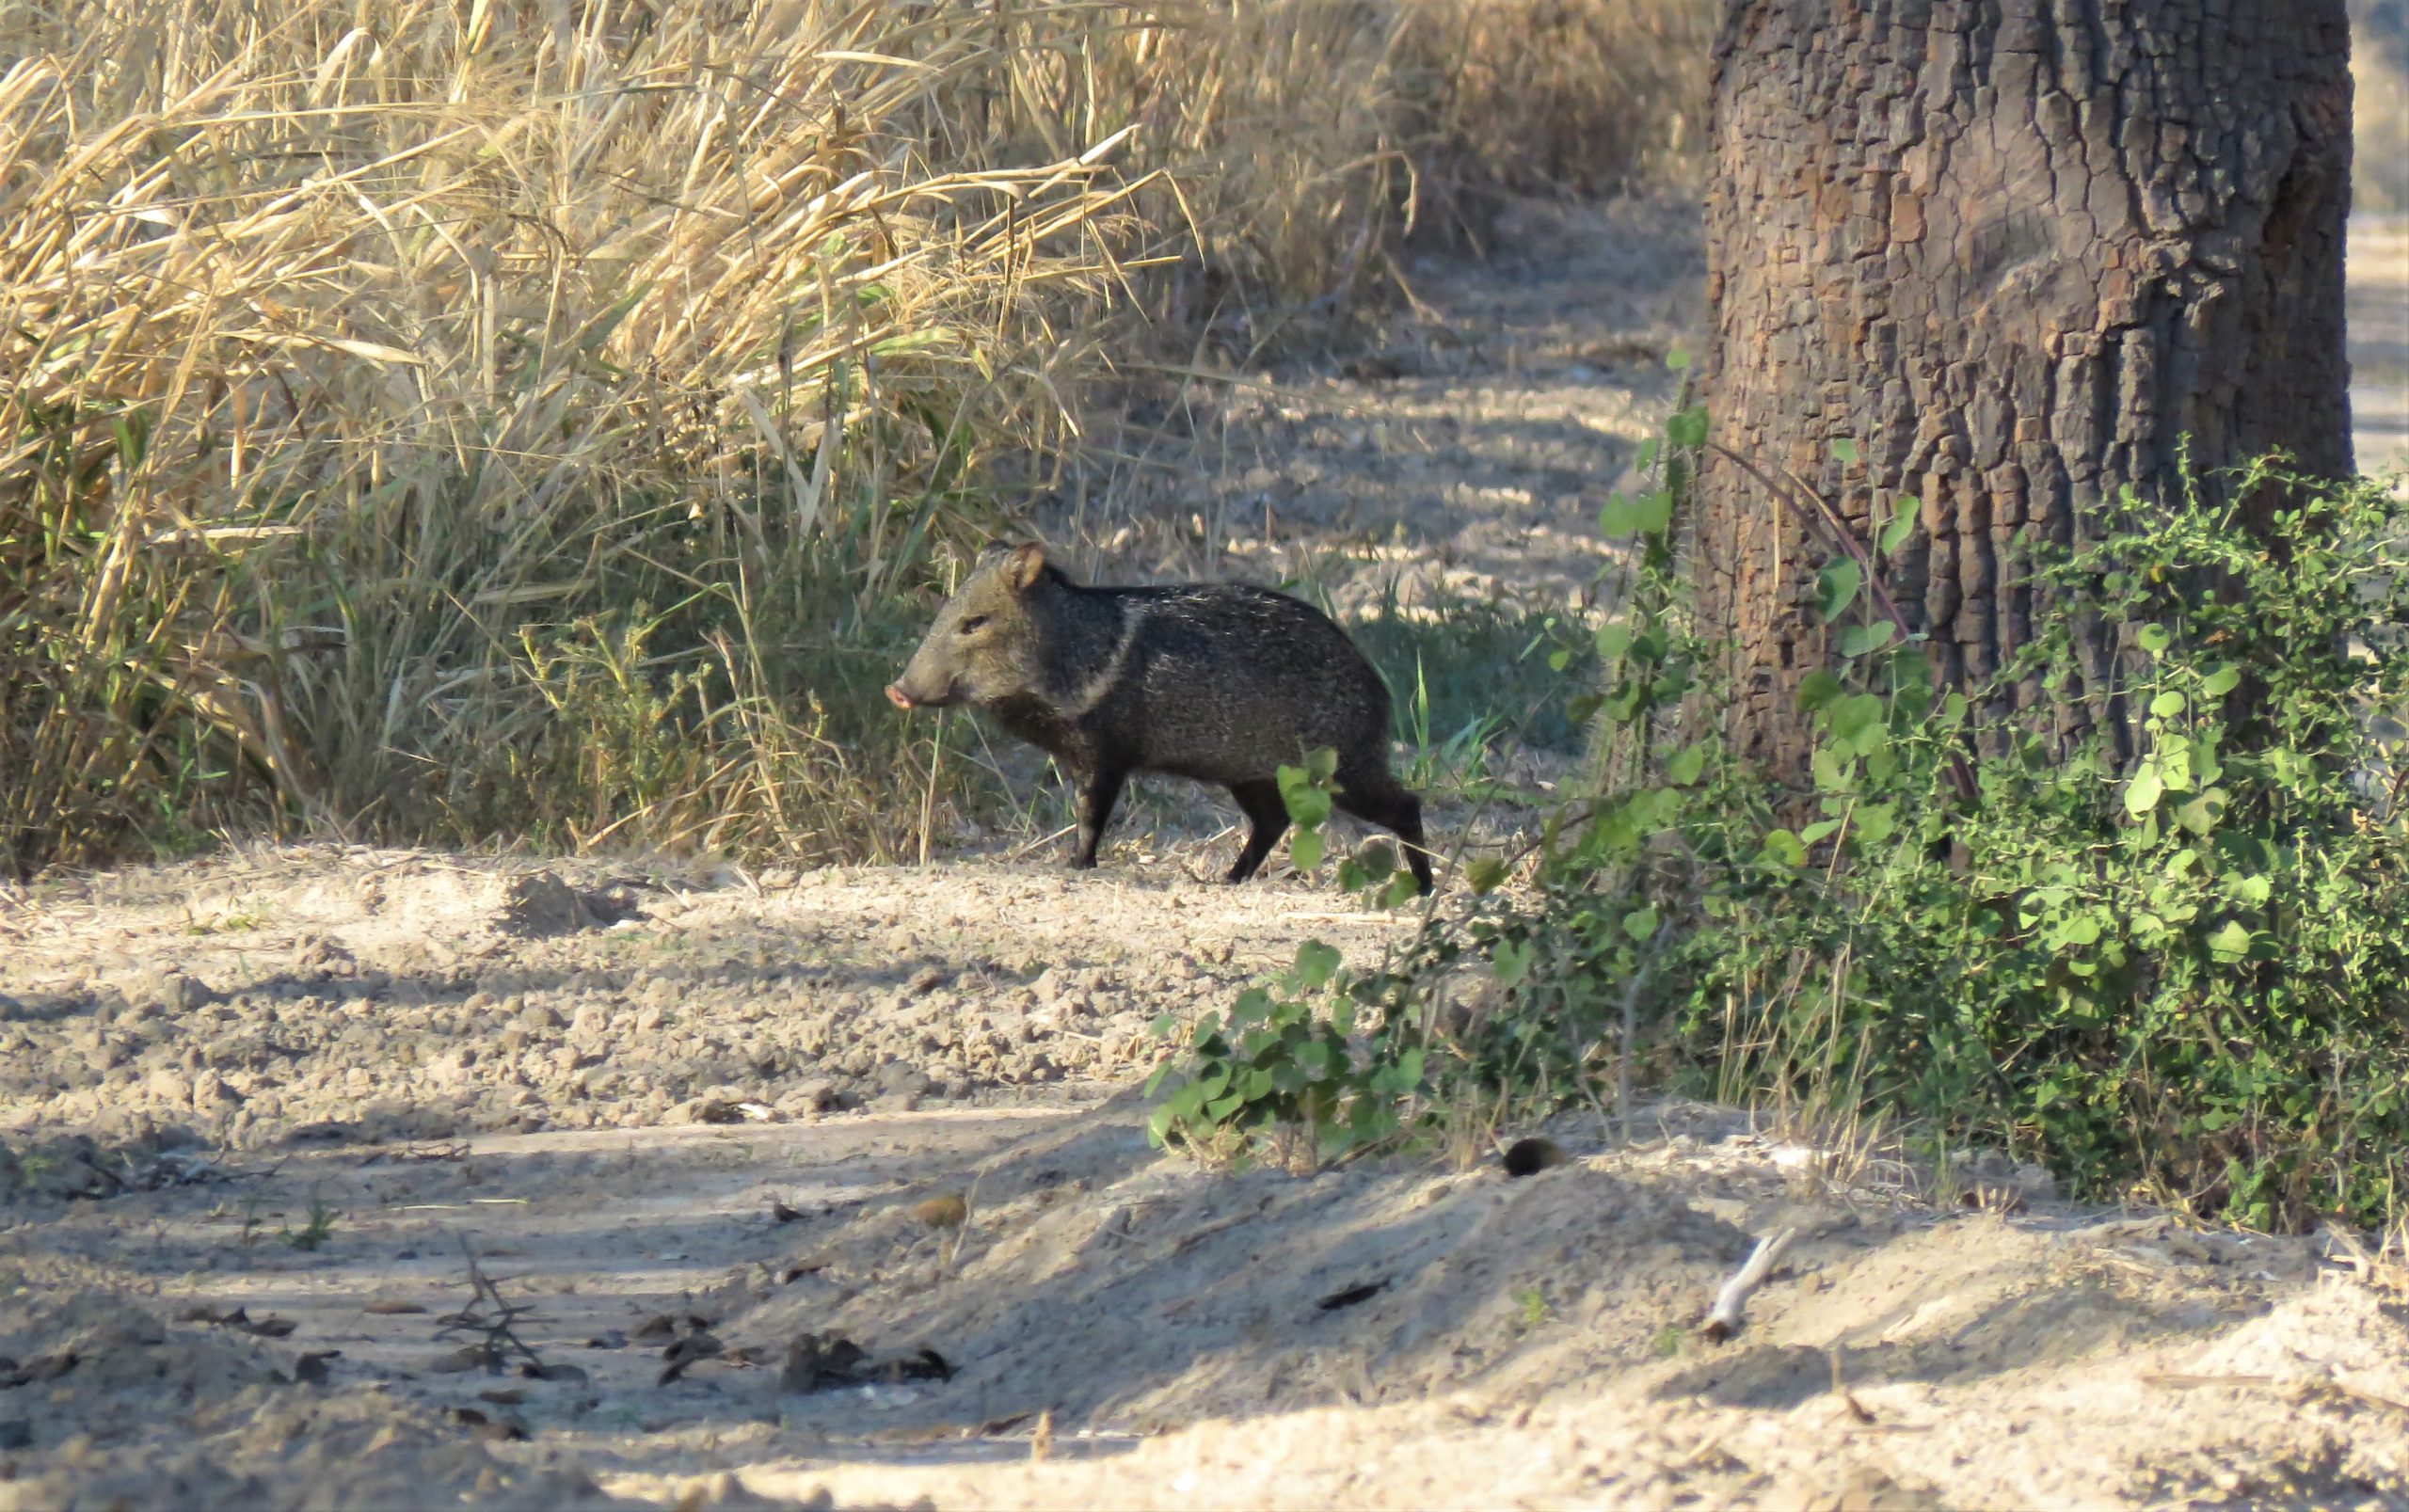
1218 682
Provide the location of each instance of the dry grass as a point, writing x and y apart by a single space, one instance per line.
466 420
1551 97
372 393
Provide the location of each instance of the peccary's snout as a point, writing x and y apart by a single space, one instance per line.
906 692
922 686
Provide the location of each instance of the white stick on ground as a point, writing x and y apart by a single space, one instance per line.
1731 1306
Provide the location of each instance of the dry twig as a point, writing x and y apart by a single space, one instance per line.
1730 1310
496 1319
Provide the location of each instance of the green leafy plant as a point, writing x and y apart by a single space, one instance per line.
1281 1067
2171 965
2163 955
313 1235
1306 792
1373 871
1530 1304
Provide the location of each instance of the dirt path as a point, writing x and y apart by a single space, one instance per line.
2379 323
896 1105
1462 455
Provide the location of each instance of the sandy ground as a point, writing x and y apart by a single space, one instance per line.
2379 324
904 1119
338 1177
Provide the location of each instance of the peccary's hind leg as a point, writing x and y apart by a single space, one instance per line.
1270 817
1392 807
1097 800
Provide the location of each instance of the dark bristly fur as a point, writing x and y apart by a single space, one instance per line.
1216 681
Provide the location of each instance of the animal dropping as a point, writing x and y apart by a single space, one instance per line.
1217 682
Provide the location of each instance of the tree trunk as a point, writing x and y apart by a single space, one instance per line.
2020 252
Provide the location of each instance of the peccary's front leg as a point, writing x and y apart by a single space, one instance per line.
1097 800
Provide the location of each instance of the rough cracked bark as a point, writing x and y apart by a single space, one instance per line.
2018 250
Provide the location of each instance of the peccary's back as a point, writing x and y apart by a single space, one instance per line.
1223 683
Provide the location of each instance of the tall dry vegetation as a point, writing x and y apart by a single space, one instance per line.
1551 97
448 420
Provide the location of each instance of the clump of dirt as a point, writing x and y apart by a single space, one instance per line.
539 904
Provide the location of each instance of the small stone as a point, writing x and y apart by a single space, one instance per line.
174 991
659 993
819 1094
540 904
559 1375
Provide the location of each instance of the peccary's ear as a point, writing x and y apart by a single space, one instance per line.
1022 566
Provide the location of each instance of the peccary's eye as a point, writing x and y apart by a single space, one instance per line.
970 624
